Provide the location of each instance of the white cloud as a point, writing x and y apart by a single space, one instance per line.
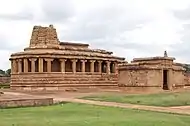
129 28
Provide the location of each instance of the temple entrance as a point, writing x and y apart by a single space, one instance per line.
165 80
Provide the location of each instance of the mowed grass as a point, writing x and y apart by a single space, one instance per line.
71 114
160 99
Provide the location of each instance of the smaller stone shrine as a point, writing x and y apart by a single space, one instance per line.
152 73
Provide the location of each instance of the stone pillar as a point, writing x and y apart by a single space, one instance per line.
115 67
100 66
74 65
20 65
83 65
33 64
63 65
25 65
13 66
40 65
92 65
48 64
108 67
170 79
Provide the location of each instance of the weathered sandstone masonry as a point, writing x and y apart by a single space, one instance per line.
152 73
48 64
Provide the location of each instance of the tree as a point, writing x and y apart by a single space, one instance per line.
2 72
8 72
187 67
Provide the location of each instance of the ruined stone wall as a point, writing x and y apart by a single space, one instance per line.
5 80
139 78
25 102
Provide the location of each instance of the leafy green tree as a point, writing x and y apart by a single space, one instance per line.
2 72
187 67
8 72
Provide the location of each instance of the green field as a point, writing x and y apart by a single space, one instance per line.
161 99
70 114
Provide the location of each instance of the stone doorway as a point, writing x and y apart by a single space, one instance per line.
165 80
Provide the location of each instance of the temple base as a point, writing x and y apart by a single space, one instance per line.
63 81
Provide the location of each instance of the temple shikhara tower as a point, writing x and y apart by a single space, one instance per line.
48 64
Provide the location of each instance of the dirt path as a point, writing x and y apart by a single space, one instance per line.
124 105
74 99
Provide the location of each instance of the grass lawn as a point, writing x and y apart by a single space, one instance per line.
161 99
71 114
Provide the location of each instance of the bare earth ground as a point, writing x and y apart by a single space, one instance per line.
59 96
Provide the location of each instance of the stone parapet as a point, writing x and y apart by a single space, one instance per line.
152 58
63 53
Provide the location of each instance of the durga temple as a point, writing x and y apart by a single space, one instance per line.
49 64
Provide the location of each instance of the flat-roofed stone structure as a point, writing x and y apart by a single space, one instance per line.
48 64
152 73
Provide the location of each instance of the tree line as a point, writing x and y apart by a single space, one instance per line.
5 73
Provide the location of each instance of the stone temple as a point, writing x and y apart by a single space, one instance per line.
152 73
48 64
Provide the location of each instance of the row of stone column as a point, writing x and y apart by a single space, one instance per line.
16 65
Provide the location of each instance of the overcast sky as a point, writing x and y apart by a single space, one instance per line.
129 28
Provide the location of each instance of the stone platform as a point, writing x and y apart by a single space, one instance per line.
8 100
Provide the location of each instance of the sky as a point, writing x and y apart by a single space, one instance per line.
128 28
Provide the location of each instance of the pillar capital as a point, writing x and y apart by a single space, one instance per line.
74 60
107 61
62 60
100 61
83 60
92 61
48 59
33 59
19 60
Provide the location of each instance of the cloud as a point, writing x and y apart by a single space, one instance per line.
181 50
57 10
19 16
135 28
183 14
